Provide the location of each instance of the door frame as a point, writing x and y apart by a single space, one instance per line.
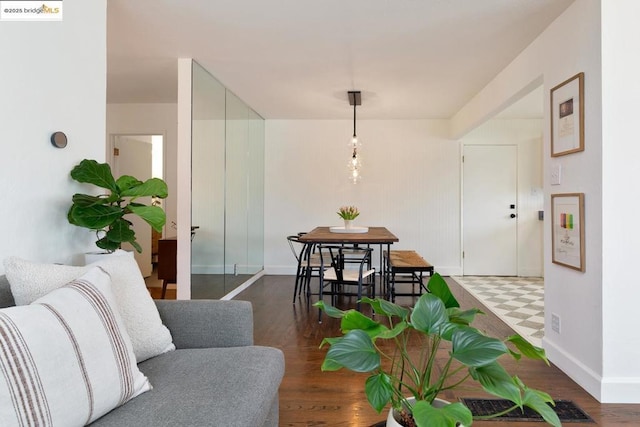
111 143
110 157
530 198
462 200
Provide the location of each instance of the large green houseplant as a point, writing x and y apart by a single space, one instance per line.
105 213
400 356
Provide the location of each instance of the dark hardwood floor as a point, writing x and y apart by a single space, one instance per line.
310 397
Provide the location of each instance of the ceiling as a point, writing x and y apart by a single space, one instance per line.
296 59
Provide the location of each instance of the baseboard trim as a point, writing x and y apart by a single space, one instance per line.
242 287
287 270
576 370
620 390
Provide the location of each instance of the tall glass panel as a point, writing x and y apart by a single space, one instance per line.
227 189
207 185
237 154
255 199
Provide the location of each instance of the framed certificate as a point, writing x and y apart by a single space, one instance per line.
567 230
567 116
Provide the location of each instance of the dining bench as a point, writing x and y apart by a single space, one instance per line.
405 266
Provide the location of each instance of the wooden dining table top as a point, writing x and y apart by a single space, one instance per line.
375 235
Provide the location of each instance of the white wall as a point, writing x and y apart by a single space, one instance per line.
620 201
53 78
148 119
598 344
526 135
410 184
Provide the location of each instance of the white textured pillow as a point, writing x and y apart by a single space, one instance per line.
30 281
66 359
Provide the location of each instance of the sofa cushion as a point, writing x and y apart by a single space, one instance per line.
66 359
149 336
234 386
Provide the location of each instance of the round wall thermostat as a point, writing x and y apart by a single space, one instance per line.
59 139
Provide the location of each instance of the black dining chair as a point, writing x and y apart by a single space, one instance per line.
309 264
344 267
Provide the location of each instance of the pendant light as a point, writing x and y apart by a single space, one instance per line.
355 162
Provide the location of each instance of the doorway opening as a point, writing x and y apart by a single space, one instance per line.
141 156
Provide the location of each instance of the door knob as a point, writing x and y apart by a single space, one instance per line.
512 215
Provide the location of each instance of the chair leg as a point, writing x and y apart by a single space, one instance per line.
319 299
298 286
164 287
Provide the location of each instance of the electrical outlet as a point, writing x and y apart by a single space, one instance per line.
555 322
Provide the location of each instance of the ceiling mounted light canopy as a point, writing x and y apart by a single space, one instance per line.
355 163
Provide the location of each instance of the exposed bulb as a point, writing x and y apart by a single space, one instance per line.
355 176
355 142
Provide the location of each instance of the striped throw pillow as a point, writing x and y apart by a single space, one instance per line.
30 281
66 359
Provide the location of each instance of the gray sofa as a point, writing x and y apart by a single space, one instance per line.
215 377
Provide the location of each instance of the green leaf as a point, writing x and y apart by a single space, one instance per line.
387 308
92 172
387 333
450 415
329 340
153 215
429 314
120 231
126 182
537 401
528 349
379 390
152 187
438 287
330 365
354 351
515 355
86 200
462 317
353 319
107 244
94 217
447 331
472 348
330 310
495 380
136 246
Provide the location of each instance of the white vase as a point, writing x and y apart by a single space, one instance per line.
391 419
348 224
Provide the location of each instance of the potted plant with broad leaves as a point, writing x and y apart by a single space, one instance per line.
105 213
400 356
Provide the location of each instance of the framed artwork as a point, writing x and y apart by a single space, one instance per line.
567 116
567 230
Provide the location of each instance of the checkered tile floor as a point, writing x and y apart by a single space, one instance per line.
518 301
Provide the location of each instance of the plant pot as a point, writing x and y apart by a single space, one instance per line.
392 419
348 224
91 257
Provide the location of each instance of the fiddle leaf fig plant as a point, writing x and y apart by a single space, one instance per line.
422 351
105 213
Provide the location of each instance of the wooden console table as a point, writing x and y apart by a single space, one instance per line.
167 252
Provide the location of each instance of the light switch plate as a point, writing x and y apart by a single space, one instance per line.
556 174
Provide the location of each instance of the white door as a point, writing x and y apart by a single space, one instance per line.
489 210
134 158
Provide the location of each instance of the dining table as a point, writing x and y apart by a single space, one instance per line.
359 235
